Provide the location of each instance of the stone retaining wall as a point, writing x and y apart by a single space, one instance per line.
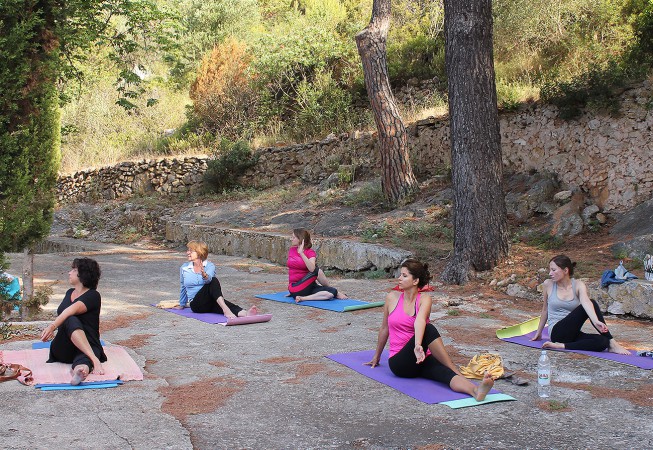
608 158
338 254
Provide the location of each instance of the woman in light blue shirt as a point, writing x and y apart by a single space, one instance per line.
199 287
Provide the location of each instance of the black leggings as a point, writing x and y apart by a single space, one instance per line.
205 300
314 288
404 363
567 331
63 350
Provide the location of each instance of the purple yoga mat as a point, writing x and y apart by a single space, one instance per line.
642 362
421 389
204 317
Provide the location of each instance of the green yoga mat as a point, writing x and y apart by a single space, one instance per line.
470 401
519 329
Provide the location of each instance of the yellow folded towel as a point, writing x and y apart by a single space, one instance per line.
481 363
167 304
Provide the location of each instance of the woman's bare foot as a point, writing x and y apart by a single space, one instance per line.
482 389
178 307
98 369
79 374
298 299
616 347
341 295
253 311
554 345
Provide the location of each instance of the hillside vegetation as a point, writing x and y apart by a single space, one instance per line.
274 71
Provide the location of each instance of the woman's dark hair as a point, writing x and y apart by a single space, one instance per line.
418 270
303 235
88 271
564 262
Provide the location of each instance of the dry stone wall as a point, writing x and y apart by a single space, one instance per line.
608 158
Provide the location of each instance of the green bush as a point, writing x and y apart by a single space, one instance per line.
419 57
228 163
594 88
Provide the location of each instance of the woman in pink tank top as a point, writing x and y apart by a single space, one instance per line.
416 348
306 281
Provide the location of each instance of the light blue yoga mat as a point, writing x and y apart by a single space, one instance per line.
337 305
69 387
85 383
39 344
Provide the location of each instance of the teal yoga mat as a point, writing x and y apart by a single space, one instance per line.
337 305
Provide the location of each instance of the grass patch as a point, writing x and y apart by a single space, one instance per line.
453 312
545 241
557 405
369 194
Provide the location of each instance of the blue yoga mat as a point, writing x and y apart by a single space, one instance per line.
69 387
85 383
337 305
39 344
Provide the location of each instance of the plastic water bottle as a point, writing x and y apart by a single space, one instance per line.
544 376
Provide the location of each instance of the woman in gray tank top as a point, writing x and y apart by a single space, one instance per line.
567 307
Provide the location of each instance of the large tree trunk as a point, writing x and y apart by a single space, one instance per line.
480 223
398 181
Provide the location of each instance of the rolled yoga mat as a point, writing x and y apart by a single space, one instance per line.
247 320
525 339
337 305
427 391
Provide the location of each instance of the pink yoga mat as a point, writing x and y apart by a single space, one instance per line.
247 320
642 362
119 366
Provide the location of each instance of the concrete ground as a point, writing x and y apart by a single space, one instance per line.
269 386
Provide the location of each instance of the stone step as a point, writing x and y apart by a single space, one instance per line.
340 254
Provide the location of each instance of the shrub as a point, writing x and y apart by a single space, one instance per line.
228 163
40 298
223 99
594 88
322 107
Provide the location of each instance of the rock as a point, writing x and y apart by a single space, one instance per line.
601 218
517 290
562 196
566 220
636 248
588 212
634 297
510 279
616 308
331 182
636 222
